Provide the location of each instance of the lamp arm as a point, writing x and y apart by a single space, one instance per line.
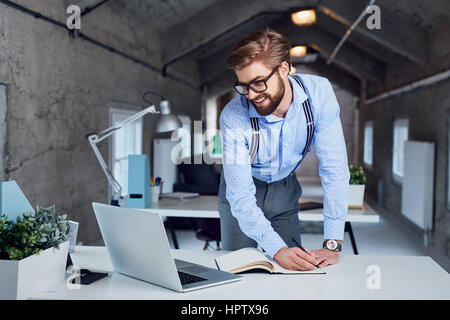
94 139
117 188
108 132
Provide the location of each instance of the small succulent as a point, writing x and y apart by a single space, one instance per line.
32 233
52 229
357 175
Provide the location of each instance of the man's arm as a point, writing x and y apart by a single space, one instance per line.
333 164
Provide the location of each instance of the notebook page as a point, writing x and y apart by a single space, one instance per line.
240 258
280 269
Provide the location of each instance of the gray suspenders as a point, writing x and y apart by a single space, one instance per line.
309 127
254 147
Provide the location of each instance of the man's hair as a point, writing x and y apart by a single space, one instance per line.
266 44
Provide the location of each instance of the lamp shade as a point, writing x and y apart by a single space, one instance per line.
167 122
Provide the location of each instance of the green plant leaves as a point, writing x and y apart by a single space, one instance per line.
32 233
5 227
357 175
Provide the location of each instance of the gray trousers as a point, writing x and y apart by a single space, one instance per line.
278 201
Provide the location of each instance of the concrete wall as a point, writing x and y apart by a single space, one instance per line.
427 110
60 89
3 109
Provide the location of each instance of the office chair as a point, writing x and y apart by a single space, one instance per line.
203 179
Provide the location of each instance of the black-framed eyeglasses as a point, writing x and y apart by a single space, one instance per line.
257 86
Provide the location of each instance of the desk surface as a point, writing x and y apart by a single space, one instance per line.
400 278
207 207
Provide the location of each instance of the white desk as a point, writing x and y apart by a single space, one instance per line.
400 278
207 207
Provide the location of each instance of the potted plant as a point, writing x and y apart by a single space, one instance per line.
357 187
33 253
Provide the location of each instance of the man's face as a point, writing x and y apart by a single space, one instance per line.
267 101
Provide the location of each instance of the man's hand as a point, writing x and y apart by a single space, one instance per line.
326 257
296 259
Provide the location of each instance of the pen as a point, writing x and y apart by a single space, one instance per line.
303 249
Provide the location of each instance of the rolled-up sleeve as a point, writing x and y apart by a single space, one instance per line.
240 190
333 163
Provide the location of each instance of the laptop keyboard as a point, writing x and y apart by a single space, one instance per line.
187 278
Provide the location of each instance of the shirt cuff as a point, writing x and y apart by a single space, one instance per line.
333 229
271 242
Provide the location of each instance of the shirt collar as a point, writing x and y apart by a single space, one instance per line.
298 97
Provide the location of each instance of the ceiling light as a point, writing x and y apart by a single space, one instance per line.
298 51
304 17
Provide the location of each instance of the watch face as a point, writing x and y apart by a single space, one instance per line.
332 244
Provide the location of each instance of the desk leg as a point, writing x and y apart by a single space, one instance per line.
172 233
348 228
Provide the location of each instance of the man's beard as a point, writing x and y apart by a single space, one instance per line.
274 101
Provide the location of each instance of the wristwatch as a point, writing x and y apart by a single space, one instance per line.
332 245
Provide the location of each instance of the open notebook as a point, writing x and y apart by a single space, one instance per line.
251 258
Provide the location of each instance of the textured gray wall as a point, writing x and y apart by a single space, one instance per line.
427 110
60 89
3 110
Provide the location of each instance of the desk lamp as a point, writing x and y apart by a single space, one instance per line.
166 122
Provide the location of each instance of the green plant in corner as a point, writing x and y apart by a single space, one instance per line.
357 175
32 233
21 239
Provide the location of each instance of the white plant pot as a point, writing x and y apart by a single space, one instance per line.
24 278
356 195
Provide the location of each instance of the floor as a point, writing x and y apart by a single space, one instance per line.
389 237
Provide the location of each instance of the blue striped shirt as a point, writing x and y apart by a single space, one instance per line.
282 141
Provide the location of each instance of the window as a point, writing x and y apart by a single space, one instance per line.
213 108
127 140
212 135
184 136
211 114
400 136
368 143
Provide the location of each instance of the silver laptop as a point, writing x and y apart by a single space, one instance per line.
138 247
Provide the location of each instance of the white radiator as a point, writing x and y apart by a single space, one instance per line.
418 184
